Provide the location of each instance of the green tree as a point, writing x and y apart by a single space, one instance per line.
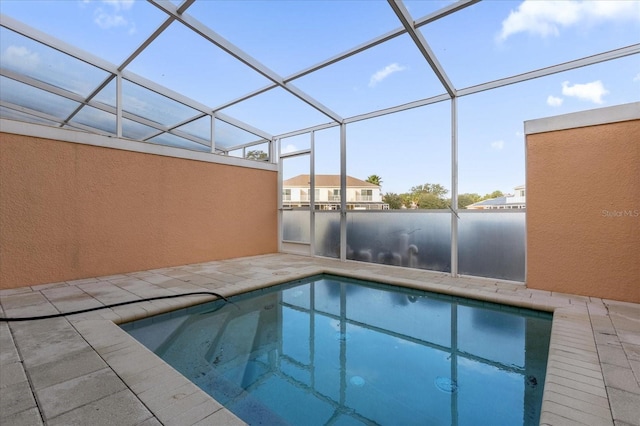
431 201
494 194
257 154
428 196
466 199
408 200
394 200
374 179
429 188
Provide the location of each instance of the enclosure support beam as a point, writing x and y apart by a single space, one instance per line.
276 149
243 57
119 72
403 15
167 22
622 52
445 11
312 195
213 134
454 187
441 13
343 192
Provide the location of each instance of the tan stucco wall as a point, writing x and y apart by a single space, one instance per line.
70 211
583 211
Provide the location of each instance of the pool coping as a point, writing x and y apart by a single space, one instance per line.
592 370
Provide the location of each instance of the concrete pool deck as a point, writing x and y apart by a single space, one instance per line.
83 369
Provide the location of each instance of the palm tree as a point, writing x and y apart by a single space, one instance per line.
375 179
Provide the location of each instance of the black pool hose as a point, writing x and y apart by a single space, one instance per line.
148 299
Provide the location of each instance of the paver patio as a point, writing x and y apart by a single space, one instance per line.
83 369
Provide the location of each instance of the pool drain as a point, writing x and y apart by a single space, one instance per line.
357 381
446 385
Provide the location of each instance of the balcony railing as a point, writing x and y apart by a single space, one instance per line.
364 197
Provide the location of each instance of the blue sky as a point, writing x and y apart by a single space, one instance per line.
487 41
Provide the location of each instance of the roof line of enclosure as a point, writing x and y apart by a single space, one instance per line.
175 13
431 58
201 29
114 71
441 13
160 128
410 27
159 89
90 59
48 117
122 66
421 43
622 52
239 54
445 11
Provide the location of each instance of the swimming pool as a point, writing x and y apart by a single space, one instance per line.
330 350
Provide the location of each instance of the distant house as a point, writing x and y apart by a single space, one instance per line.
361 195
516 201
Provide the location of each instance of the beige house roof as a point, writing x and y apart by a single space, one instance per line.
328 181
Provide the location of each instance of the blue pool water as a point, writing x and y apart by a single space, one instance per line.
335 351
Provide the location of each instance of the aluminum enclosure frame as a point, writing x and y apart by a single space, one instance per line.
179 13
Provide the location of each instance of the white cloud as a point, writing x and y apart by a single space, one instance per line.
554 101
132 29
106 20
380 75
611 9
111 15
593 91
637 77
21 57
547 18
497 145
119 4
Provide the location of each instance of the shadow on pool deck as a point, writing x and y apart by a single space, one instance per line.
83 369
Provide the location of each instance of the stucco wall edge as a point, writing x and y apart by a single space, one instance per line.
74 136
593 117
